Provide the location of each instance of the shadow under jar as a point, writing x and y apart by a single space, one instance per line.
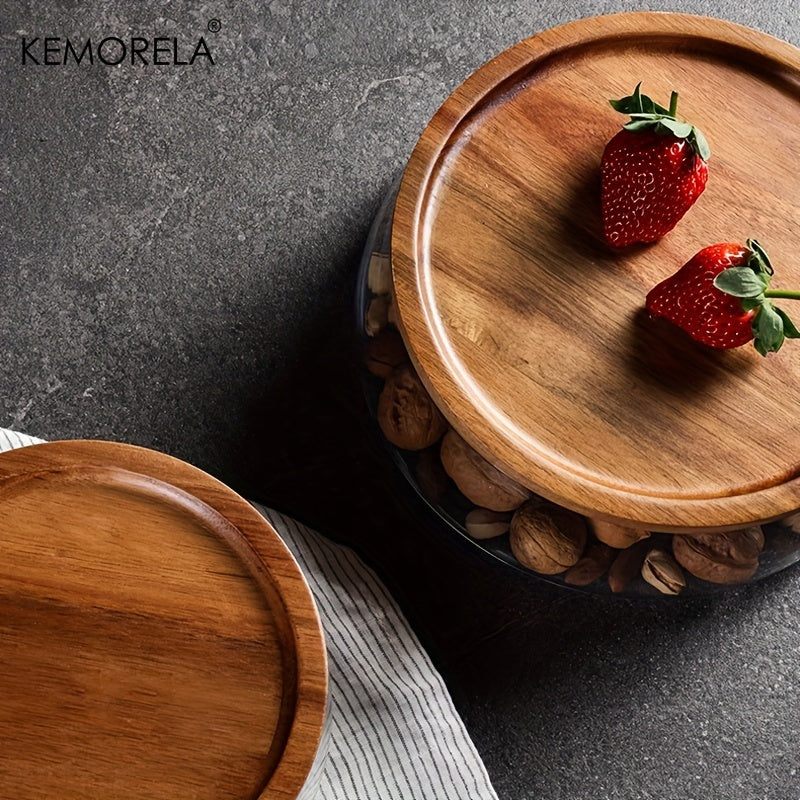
512 370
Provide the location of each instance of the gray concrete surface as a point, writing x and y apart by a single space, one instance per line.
178 247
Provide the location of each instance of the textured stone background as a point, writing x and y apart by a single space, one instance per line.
178 250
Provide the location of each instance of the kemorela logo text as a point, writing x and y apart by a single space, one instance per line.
112 51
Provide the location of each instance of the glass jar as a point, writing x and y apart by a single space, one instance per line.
575 550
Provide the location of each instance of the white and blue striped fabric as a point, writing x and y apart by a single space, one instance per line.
393 733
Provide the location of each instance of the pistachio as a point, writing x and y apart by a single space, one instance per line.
477 479
547 539
385 352
483 523
720 557
377 317
614 535
627 566
407 416
591 565
662 571
379 273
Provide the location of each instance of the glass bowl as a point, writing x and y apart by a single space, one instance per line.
631 571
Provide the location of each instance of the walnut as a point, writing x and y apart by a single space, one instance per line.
591 565
407 416
547 539
386 352
477 479
720 557
615 535
483 523
661 571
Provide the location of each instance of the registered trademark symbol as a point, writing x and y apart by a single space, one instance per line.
214 25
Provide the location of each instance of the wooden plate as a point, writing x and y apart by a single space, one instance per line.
529 331
157 639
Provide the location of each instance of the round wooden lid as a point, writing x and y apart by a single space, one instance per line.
158 640
530 333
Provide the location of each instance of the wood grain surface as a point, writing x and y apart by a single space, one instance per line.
530 331
157 639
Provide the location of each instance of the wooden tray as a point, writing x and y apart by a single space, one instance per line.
157 639
530 332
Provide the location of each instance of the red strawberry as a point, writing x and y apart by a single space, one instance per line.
720 298
652 171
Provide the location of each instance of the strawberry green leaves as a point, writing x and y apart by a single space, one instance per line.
646 114
768 332
750 283
789 329
638 103
742 282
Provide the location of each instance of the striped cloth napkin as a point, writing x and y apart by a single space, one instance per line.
393 733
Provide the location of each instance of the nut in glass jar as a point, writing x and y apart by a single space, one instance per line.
407 416
477 479
720 557
547 539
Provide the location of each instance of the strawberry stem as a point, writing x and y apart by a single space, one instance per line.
789 294
673 104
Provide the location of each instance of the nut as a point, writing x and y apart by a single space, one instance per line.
547 539
662 571
385 352
627 565
784 540
591 565
377 317
379 273
720 557
407 416
431 477
483 523
477 479
784 547
615 535
391 312
792 523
